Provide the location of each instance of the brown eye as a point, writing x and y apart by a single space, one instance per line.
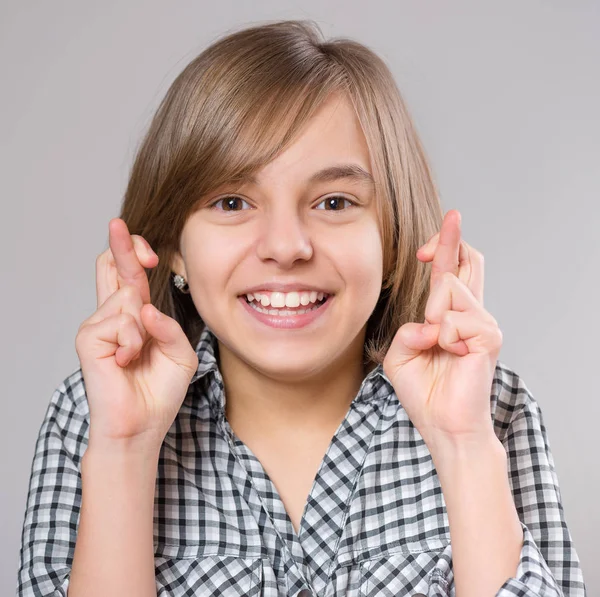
229 203
334 202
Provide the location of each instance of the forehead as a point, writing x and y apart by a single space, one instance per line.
331 145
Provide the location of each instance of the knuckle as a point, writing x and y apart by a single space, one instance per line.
83 328
135 344
78 339
139 343
125 320
104 259
82 325
81 338
499 335
496 344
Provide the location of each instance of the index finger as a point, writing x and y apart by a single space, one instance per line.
448 247
129 268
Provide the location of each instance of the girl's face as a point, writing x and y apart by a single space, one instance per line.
284 228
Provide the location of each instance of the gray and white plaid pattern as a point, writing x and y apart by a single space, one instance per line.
375 523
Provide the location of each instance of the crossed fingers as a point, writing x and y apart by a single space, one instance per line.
123 263
449 253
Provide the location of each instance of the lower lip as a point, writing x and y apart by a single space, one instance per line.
287 321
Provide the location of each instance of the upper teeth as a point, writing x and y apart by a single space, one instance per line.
286 299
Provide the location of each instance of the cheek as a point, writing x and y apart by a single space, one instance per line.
359 261
210 261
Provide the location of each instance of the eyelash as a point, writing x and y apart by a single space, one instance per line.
212 205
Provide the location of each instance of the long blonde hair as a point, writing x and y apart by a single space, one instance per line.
240 103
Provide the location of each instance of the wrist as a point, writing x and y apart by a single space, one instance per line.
448 451
111 470
134 450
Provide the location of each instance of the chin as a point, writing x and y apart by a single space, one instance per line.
288 369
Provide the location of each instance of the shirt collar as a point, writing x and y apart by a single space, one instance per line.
207 349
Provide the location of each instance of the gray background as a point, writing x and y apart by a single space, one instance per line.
504 95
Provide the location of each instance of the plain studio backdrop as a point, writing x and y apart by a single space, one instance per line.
504 95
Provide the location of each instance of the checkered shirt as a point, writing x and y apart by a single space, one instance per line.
375 522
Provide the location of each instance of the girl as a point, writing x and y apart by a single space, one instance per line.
285 390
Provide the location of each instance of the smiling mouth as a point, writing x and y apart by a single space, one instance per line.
287 311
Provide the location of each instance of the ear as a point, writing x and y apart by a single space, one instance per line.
177 265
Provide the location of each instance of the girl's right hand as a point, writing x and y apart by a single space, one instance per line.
136 368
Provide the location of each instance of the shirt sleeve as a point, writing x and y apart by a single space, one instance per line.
549 565
54 499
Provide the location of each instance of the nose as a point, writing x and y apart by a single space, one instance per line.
284 237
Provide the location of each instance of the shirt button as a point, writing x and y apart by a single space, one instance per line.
304 593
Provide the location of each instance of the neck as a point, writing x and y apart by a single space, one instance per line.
259 406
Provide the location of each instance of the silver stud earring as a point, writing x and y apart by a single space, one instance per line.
181 284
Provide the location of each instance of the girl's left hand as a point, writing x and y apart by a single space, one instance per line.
442 370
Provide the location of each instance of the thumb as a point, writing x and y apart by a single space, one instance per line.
169 337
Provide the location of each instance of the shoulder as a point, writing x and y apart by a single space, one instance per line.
510 398
68 405
64 430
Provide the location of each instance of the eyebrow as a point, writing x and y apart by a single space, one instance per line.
352 172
